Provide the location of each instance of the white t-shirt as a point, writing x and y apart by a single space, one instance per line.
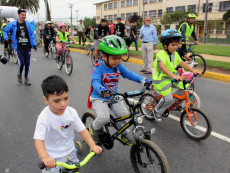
58 131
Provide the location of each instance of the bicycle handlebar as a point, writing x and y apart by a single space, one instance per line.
186 81
66 42
67 166
192 44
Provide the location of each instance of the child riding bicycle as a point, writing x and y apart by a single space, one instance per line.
62 36
165 64
105 78
54 132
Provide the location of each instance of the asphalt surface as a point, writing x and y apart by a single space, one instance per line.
21 105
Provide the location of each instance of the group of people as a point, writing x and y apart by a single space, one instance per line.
54 132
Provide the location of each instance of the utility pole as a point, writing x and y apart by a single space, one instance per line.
205 22
46 6
50 10
77 16
143 16
71 6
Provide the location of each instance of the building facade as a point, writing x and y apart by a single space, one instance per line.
111 9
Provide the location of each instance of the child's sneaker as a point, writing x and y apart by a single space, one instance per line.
127 138
157 116
94 133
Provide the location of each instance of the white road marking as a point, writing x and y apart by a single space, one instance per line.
33 59
217 135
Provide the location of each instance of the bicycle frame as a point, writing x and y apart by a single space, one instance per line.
178 101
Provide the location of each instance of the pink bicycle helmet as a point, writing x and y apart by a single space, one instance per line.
61 24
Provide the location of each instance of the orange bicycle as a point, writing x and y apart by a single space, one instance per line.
194 122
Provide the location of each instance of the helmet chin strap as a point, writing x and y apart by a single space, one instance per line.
169 53
107 63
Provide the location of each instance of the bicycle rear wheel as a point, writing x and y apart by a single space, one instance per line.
201 129
127 55
147 107
53 51
69 65
151 156
87 50
199 62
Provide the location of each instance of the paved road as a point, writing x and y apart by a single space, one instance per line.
21 105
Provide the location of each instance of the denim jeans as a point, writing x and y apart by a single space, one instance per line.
136 43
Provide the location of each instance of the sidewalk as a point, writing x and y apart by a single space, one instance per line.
206 56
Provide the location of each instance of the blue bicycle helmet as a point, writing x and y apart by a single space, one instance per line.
169 33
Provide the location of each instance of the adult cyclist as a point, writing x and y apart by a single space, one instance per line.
100 32
48 33
187 29
120 29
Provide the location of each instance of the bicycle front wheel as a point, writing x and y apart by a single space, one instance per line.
60 63
87 50
127 55
148 158
14 56
53 51
88 118
69 65
199 62
201 129
93 58
147 107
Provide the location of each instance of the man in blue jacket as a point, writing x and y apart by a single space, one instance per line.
23 40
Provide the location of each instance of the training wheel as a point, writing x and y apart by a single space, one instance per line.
78 147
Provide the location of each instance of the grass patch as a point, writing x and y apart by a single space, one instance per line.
221 64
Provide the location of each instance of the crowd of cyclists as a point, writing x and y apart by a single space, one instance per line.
112 40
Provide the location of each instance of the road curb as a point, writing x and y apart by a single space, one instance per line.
210 75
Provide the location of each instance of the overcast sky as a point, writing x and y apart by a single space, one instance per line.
60 10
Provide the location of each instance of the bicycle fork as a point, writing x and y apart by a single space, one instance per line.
137 143
188 114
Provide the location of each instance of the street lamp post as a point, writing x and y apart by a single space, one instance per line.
143 17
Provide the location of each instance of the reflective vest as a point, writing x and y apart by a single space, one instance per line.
61 37
3 25
188 32
162 83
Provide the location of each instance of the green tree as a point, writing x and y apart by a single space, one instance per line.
216 25
176 17
89 21
226 15
31 5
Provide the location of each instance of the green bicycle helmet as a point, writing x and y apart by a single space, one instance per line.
113 45
191 15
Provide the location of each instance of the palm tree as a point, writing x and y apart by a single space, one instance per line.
31 5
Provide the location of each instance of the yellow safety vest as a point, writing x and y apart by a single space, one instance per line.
188 32
61 37
162 83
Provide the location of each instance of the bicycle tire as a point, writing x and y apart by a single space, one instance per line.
148 99
94 61
87 50
200 60
69 66
53 51
14 56
188 132
125 59
160 161
86 116
60 63
45 53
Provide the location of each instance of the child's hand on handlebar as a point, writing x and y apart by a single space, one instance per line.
104 92
49 162
96 149
75 42
178 78
197 72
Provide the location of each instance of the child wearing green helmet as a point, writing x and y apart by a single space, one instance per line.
165 70
105 78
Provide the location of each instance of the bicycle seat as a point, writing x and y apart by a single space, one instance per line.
134 93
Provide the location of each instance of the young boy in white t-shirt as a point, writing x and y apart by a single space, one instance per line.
54 132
